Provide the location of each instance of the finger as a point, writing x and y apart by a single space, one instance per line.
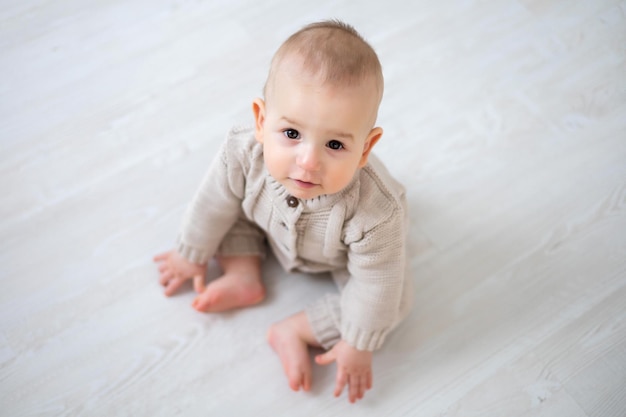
360 389
161 257
166 277
163 267
198 283
342 379
173 285
326 358
294 378
369 381
353 384
294 384
306 381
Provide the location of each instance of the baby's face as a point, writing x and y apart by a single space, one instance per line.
315 137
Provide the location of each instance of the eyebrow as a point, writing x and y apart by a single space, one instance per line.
333 133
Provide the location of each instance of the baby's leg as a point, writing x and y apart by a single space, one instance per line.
239 286
290 339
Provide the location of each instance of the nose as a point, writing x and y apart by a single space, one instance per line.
308 158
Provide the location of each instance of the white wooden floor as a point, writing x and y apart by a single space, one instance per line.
506 120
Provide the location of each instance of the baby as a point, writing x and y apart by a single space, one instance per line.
304 181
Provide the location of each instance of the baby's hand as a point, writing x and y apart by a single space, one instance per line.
354 368
174 270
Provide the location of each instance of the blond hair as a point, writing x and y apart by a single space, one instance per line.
333 51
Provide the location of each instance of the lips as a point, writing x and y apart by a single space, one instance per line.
303 184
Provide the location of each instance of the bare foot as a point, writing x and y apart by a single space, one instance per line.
240 286
290 339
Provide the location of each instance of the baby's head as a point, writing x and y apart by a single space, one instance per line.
316 123
331 52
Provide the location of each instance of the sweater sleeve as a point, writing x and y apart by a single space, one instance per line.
370 301
215 207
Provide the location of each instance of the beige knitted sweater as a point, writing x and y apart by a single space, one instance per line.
358 232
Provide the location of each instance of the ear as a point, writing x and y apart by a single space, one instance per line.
371 140
258 109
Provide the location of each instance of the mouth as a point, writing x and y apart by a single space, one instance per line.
303 184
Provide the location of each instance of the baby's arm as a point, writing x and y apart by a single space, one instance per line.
370 301
354 368
174 270
212 212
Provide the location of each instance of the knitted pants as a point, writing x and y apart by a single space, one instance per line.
324 314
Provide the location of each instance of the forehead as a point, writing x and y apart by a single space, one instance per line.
292 68
309 100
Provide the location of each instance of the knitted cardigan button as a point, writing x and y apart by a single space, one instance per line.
292 201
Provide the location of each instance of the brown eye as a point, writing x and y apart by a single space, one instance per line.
292 134
335 145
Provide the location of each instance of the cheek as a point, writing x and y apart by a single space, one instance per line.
275 158
341 175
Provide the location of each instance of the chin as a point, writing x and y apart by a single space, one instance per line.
304 194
